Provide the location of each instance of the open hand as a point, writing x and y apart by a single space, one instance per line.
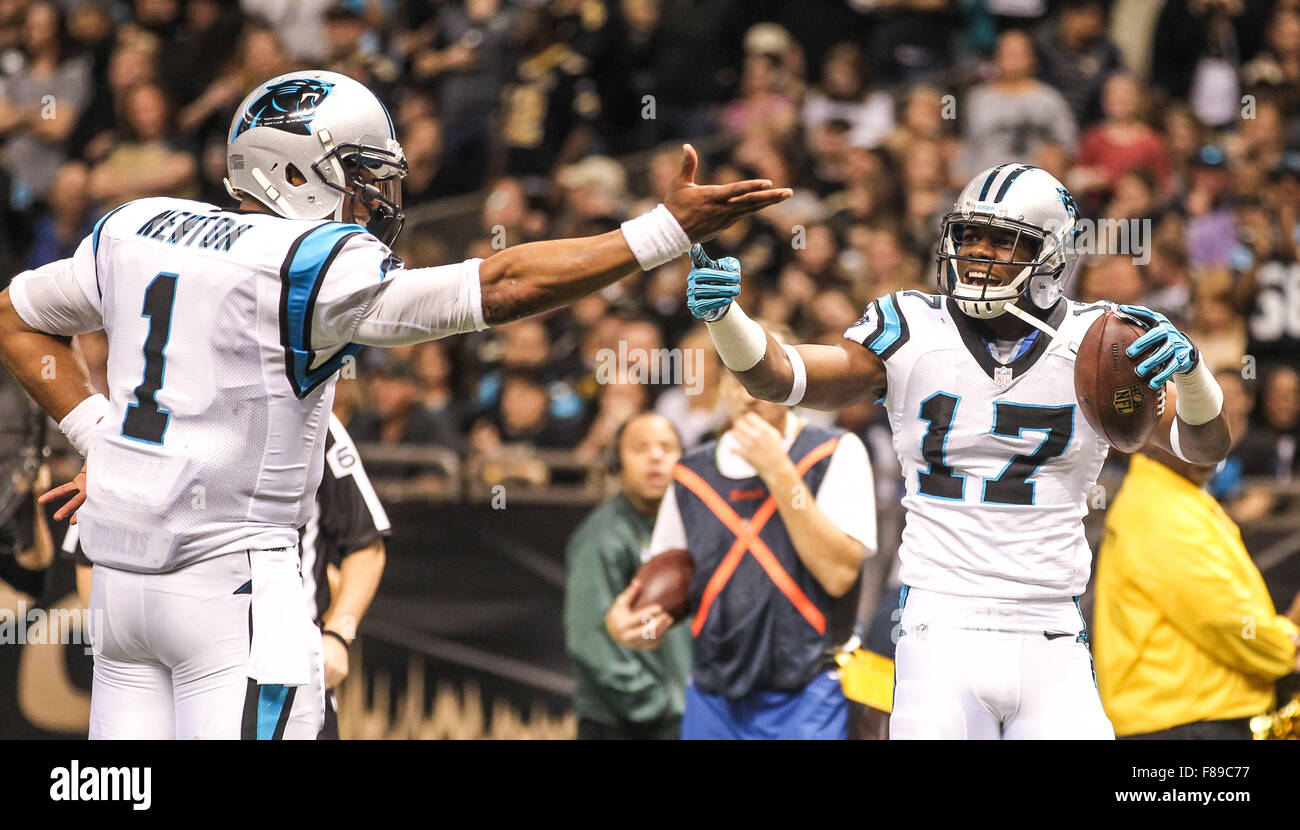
704 211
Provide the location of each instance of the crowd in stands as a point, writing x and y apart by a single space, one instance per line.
1177 124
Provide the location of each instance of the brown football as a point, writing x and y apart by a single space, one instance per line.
1118 404
666 580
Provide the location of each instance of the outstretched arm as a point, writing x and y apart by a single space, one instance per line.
538 276
814 376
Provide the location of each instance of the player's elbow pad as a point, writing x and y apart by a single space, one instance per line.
419 304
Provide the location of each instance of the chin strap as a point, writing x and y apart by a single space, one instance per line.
1015 311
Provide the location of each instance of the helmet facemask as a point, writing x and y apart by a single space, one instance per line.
372 175
1039 276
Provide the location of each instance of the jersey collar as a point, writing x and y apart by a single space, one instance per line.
975 344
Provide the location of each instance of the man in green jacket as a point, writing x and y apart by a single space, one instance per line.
624 694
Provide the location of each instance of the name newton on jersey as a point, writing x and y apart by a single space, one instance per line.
180 227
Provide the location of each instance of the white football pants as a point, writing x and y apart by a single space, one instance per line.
172 659
985 669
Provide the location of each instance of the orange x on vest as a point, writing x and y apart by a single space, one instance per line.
747 540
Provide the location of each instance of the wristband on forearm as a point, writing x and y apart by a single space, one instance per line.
78 424
800 376
740 341
655 238
1200 399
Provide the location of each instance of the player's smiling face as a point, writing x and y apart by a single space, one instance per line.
991 243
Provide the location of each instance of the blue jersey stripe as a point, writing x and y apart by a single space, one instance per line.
270 705
893 326
305 270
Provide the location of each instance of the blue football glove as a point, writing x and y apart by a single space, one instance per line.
711 286
1171 350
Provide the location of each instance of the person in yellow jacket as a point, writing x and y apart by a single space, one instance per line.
1187 642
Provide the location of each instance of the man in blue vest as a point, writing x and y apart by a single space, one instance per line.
778 515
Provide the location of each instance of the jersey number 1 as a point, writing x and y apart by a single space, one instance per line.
144 420
1013 486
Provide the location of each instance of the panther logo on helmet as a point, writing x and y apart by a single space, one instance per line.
289 105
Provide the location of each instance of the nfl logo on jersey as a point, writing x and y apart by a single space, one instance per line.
1002 376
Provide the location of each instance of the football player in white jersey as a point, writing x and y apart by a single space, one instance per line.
225 332
978 381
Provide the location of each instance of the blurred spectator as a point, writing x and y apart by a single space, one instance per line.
1261 141
1218 332
844 95
1113 278
928 114
1269 450
344 29
434 368
1122 143
1077 55
467 62
1169 281
147 160
1006 119
199 47
1208 205
259 56
616 403
524 414
1245 502
549 104
68 220
132 63
629 85
1199 45
697 53
1272 284
397 415
595 196
762 106
40 102
912 40
1276 69
428 180
526 346
298 23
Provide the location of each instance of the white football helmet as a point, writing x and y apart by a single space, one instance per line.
1033 204
325 128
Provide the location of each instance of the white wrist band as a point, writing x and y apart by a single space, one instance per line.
800 376
655 238
1173 441
1200 400
740 342
80 422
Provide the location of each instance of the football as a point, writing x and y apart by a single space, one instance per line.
666 580
1118 404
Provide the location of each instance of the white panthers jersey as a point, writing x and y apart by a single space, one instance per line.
225 331
998 460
